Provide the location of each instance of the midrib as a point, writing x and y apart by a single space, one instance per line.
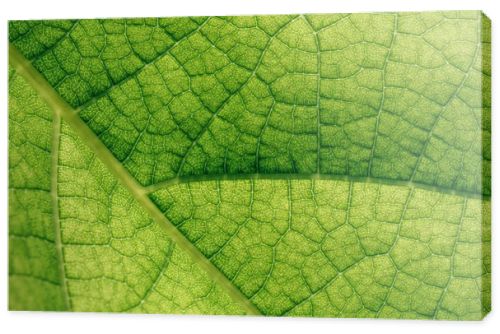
61 107
140 193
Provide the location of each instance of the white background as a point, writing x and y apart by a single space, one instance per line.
25 322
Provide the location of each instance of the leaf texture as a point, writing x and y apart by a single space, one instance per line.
304 165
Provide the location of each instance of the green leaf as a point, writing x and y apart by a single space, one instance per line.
304 165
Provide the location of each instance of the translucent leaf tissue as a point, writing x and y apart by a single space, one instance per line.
303 165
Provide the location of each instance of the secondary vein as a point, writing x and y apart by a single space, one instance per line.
56 133
56 129
310 176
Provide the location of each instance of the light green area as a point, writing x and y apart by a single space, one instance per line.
306 165
34 279
337 248
116 257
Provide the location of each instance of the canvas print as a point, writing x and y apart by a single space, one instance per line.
316 165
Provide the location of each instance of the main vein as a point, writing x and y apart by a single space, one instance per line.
70 116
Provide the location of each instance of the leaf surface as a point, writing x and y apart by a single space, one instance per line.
310 165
